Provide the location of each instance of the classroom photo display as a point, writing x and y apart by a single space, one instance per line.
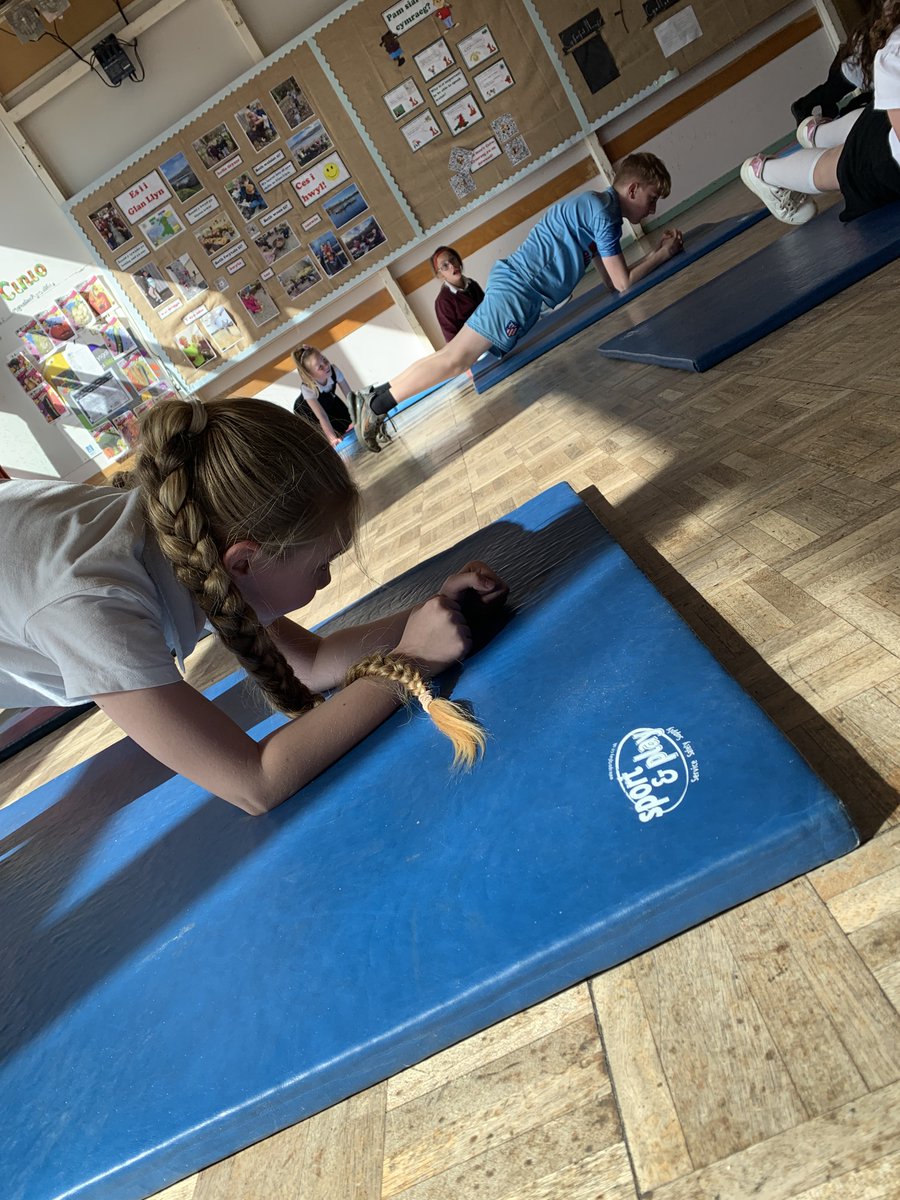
246 216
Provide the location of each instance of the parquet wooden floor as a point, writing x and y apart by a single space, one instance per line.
759 1054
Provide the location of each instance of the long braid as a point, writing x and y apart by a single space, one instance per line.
467 736
166 476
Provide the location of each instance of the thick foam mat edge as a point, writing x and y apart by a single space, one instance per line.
803 268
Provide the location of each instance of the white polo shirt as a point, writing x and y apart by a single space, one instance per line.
88 602
886 73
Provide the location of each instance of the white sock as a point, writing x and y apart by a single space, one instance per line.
834 133
794 172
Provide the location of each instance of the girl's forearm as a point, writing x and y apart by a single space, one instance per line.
296 753
338 652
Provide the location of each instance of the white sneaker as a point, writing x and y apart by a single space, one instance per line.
806 131
791 207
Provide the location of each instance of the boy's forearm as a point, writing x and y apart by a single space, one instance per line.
647 264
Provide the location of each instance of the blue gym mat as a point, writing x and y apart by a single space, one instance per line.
179 980
570 318
803 268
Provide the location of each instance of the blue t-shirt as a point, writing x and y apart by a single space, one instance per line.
552 258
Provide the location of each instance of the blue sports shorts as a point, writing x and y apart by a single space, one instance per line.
509 308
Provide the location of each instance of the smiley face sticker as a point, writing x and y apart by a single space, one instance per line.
311 185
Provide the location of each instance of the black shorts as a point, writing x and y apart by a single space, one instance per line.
868 174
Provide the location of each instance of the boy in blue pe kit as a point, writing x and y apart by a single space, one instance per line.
543 271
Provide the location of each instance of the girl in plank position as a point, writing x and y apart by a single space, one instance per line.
236 512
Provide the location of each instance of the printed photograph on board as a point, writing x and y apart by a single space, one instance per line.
299 277
345 205
293 104
111 226
362 238
257 125
221 327
310 143
195 345
162 225
181 177
331 254
274 242
218 234
258 303
183 271
153 287
247 197
217 145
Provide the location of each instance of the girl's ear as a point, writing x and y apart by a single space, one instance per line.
238 559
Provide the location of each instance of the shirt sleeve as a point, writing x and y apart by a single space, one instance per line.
607 232
887 74
340 380
107 642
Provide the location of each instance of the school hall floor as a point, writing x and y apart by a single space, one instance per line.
759 1054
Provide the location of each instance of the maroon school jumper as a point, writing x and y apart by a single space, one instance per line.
453 309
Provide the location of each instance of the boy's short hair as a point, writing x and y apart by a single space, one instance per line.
646 169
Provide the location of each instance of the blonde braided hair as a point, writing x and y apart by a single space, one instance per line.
215 473
451 719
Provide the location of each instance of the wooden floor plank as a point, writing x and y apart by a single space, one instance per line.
493 1104
655 1139
857 1136
493 1043
335 1155
728 1082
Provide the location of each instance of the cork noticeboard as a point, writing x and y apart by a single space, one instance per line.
457 97
245 216
613 51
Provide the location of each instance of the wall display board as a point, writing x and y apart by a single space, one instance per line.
458 98
244 216
79 361
616 50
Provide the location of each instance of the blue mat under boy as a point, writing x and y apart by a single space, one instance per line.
789 277
180 980
570 318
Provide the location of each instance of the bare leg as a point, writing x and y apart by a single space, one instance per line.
825 171
454 358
